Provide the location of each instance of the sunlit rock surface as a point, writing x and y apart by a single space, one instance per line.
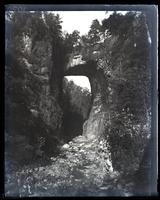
75 60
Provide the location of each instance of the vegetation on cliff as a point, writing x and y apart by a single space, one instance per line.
43 111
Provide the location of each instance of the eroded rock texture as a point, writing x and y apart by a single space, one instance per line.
103 160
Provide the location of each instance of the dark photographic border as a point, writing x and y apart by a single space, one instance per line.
152 19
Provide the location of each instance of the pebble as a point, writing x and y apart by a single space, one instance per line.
65 146
81 144
81 150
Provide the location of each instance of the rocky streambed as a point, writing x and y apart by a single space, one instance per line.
83 168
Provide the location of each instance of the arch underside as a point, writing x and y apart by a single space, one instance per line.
87 69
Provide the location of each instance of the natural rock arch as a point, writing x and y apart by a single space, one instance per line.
95 125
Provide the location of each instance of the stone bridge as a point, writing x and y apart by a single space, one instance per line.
95 125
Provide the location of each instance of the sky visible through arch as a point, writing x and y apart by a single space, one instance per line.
82 81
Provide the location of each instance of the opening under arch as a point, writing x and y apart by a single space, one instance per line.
77 104
81 81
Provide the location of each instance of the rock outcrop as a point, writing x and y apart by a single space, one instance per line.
32 112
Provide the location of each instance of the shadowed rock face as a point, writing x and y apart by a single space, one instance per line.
94 127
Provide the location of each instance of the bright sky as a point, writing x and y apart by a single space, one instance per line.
82 81
80 20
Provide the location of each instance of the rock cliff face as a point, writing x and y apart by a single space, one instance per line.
33 114
49 108
45 103
94 127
